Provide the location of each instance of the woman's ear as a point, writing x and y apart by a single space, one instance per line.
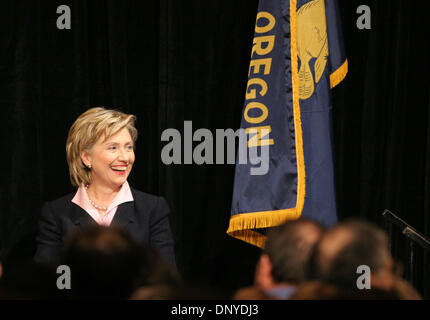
86 158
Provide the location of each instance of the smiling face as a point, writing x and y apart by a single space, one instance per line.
111 160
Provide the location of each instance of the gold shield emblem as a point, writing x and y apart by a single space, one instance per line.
311 43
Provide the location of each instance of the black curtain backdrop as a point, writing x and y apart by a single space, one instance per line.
168 61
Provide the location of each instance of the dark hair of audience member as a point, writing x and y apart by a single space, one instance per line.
345 247
157 279
104 263
289 247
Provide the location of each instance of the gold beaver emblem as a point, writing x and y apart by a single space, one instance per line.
311 43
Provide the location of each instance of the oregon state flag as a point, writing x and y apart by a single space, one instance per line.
297 57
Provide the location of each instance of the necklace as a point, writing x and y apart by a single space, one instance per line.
93 203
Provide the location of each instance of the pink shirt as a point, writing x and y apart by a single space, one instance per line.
82 200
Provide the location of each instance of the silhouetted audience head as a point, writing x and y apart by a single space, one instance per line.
287 251
104 263
347 246
157 279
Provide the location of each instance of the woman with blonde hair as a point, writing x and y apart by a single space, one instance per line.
100 154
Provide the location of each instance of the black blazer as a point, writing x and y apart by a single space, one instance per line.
145 219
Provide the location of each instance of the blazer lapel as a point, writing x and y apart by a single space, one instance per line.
80 217
124 214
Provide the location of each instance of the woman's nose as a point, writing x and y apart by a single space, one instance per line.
122 156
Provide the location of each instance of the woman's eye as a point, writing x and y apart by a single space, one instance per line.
112 148
129 147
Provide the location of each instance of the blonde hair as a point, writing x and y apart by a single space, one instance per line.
88 128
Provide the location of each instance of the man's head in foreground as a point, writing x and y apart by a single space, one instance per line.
286 254
346 247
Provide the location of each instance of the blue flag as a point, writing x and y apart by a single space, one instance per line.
297 57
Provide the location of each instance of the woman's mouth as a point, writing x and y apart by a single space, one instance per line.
119 170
